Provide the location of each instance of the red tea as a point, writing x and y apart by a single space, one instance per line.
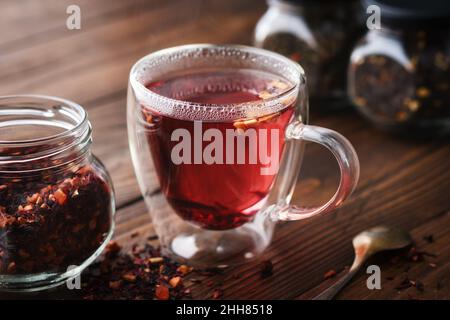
222 172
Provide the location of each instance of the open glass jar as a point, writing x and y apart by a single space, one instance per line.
399 75
319 35
56 198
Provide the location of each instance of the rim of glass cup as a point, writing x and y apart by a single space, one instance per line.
254 108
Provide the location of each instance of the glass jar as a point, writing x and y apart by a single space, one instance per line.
319 35
56 198
399 75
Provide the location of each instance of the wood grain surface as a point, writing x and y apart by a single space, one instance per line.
405 182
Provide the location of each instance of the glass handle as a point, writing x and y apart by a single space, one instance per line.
348 163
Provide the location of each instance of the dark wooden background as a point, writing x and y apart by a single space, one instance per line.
405 182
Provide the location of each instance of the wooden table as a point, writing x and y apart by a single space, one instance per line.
404 182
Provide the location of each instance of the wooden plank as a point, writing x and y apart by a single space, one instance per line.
34 22
92 44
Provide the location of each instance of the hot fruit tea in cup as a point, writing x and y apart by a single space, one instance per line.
216 135
191 185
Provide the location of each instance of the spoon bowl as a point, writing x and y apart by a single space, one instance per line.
380 238
366 244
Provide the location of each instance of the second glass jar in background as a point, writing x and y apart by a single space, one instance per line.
399 75
320 36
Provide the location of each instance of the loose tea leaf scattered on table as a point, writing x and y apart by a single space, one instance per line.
429 238
407 283
266 269
411 257
141 274
217 294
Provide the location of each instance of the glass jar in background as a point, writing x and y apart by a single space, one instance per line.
320 36
56 198
399 75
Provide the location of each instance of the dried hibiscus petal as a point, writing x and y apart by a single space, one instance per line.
162 292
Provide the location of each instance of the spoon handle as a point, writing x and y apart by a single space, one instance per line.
329 293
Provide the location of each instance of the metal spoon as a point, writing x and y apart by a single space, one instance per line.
366 244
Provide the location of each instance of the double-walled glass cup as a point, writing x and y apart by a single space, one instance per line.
209 206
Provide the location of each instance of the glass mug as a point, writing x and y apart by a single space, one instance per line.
217 136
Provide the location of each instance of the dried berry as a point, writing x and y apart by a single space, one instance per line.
429 238
266 268
329 274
